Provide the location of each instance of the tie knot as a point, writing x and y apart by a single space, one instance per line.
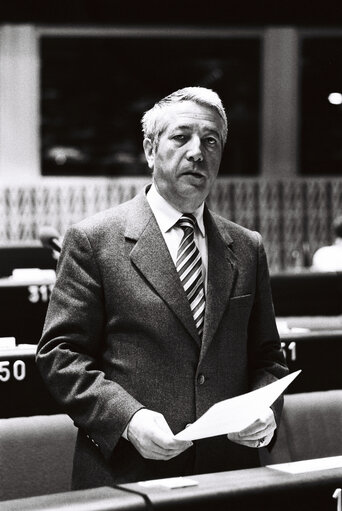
187 221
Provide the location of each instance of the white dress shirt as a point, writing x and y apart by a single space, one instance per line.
328 258
167 217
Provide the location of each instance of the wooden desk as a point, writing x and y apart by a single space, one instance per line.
318 352
23 306
22 390
97 499
307 293
312 323
259 489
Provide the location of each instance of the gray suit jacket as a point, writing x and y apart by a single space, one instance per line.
119 336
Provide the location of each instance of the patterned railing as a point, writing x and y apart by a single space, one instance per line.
293 216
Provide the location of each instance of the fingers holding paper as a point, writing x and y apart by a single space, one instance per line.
257 434
248 416
151 435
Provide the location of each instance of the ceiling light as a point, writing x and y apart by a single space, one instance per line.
335 98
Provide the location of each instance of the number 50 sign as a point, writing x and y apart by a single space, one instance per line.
16 371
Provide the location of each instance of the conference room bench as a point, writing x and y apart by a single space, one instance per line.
307 293
312 343
259 489
22 389
25 255
23 392
36 464
318 353
24 302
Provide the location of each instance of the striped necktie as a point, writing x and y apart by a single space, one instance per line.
189 267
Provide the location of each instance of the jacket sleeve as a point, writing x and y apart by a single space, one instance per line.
266 358
69 350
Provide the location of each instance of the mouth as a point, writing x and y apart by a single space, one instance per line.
193 173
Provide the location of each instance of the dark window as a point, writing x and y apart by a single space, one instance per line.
321 112
95 90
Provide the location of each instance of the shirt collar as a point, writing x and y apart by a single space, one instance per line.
166 215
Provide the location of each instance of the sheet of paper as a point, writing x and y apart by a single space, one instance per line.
171 482
299 467
237 413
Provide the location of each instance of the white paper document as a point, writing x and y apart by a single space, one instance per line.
299 467
235 414
171 482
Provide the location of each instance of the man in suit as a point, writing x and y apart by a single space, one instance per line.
156 316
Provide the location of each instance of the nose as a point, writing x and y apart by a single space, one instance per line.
194 152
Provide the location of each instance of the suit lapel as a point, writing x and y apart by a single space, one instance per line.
221 277
151 256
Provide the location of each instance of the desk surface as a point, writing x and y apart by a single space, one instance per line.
309 327
262 486
308 292
260 489
311 335
9 282
97 499
21 351
312 322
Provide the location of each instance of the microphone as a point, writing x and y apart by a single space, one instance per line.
50 238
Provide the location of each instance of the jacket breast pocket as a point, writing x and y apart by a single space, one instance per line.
241 301
238 314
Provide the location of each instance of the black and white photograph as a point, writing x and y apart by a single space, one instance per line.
170 255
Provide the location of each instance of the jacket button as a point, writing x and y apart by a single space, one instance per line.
200 379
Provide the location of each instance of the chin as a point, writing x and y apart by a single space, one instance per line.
189 203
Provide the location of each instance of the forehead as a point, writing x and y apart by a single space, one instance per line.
190 114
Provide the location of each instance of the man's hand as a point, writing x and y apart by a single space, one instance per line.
151 435
258 434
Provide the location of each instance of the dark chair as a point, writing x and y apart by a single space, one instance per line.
311 427
36 455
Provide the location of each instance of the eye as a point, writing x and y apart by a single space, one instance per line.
179 138
211 141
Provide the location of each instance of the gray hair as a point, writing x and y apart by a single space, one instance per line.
200 95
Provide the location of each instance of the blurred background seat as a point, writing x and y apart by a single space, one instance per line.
36 455
310 428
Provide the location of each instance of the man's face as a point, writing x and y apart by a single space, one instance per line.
186 160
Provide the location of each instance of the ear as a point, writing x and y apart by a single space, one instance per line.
149 152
